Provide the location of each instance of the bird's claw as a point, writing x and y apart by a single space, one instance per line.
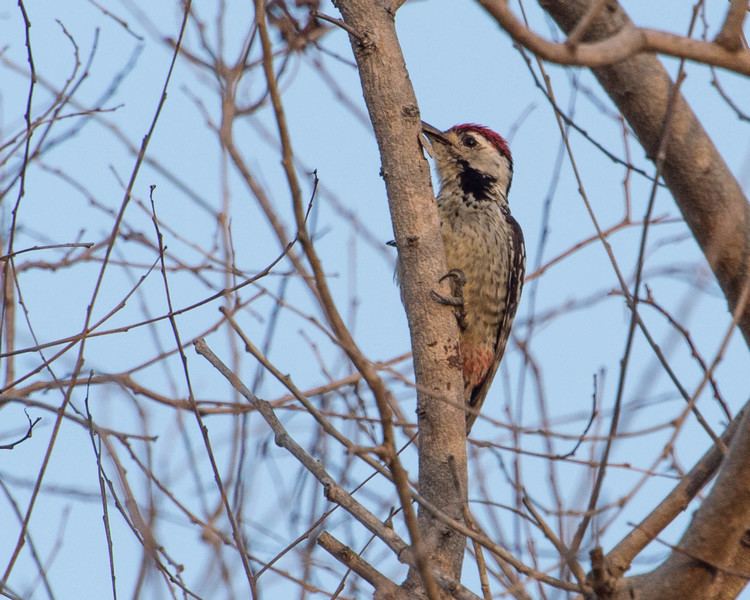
458 277
457 299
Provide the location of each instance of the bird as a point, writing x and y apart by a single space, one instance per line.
484 248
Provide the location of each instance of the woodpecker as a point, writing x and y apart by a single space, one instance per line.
484 248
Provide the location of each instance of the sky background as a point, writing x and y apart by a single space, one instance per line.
463 68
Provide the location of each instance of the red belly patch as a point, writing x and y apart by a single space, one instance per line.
477 361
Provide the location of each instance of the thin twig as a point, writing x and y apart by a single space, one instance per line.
5 257
26 436
237 534
102 489
338 23
588 425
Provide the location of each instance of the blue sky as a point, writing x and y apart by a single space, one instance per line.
463 68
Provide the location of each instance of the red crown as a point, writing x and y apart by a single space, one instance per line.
494 138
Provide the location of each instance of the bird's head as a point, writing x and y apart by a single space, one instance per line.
473 157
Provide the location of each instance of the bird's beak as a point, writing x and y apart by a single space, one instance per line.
429 136
434 134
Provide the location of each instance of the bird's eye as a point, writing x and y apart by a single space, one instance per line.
469 141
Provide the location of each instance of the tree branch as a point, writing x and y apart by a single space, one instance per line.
620 557
434 334
370 375
718 215
621 44
712 559
344 554
705 190
730 36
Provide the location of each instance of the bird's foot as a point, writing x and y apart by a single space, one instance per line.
457 299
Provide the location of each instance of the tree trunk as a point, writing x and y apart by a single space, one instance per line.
395 117
705 190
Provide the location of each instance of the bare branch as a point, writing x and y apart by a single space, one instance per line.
730 36
717 534
709 195
25 436
621 556
583 25
384 587
434 334
370 375
623 43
